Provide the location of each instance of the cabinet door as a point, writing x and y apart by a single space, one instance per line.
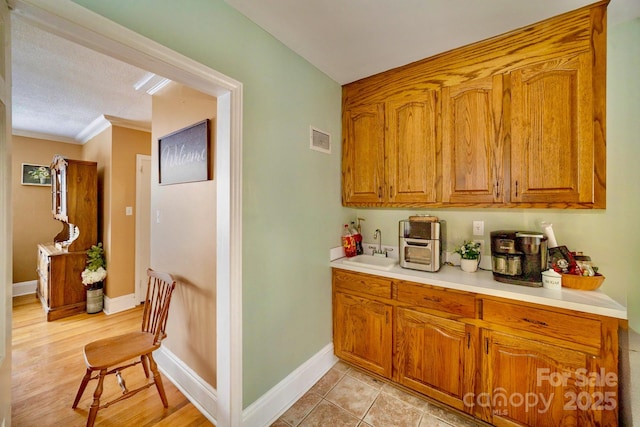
363 155
535 384
473 141
362 332
435 356
552 145
411 148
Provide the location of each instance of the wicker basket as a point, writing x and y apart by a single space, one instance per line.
584 283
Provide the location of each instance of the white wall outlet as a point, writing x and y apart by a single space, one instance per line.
128 210
478 228
481 243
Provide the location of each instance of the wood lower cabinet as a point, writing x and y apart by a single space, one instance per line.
363 332
59 286
509 363
435 356
362 320
532 383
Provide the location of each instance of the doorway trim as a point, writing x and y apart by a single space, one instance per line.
84 27
142 194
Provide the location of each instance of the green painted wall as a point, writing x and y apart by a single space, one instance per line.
623 157
292 211
291 203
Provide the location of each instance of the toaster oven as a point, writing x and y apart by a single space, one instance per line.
420 244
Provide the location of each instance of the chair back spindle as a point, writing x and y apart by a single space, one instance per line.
156 304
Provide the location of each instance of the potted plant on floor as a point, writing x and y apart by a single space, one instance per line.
469 256
93 276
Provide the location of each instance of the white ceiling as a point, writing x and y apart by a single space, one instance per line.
352 39
63 89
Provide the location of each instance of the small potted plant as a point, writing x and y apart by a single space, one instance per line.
469 256
92 277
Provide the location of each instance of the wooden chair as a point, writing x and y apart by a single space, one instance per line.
112 355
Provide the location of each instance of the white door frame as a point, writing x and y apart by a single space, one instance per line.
141 216
6 255
84 27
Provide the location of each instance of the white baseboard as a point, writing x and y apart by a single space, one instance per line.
24 288
202 395
118 304
271 405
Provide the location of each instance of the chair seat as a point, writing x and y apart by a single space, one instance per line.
107 352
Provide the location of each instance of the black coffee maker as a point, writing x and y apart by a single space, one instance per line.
518 257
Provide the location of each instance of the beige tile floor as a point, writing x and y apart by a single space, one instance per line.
346 397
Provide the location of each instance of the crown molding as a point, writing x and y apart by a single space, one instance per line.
45 136
103 122
151 83
129 124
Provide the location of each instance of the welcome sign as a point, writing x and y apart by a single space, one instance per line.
184 155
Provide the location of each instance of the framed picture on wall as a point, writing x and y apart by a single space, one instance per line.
36 175
184 155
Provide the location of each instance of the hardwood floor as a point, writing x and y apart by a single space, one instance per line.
48 365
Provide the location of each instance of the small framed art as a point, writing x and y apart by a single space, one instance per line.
36 175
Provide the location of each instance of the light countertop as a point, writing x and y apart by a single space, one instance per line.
481 282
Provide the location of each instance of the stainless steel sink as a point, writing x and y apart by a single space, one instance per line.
370 261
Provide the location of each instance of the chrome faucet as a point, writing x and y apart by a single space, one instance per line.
378 235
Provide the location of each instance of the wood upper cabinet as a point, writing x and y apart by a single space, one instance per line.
473 141
363 155
389 152
536 384
552 132
74 201
435 356
517 120
411 147
362 332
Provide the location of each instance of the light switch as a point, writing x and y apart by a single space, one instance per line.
158 217
478 228
129 210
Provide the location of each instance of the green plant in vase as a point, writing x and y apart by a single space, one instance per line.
469 250
469 256
96 269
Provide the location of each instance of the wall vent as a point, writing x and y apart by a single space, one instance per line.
319 140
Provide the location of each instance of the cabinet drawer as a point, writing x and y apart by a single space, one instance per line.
549 323
455 302
359 282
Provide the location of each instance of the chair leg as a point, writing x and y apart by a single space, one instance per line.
93 411
157 379
83 385
145 365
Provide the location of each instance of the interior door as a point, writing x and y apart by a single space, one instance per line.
5 218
